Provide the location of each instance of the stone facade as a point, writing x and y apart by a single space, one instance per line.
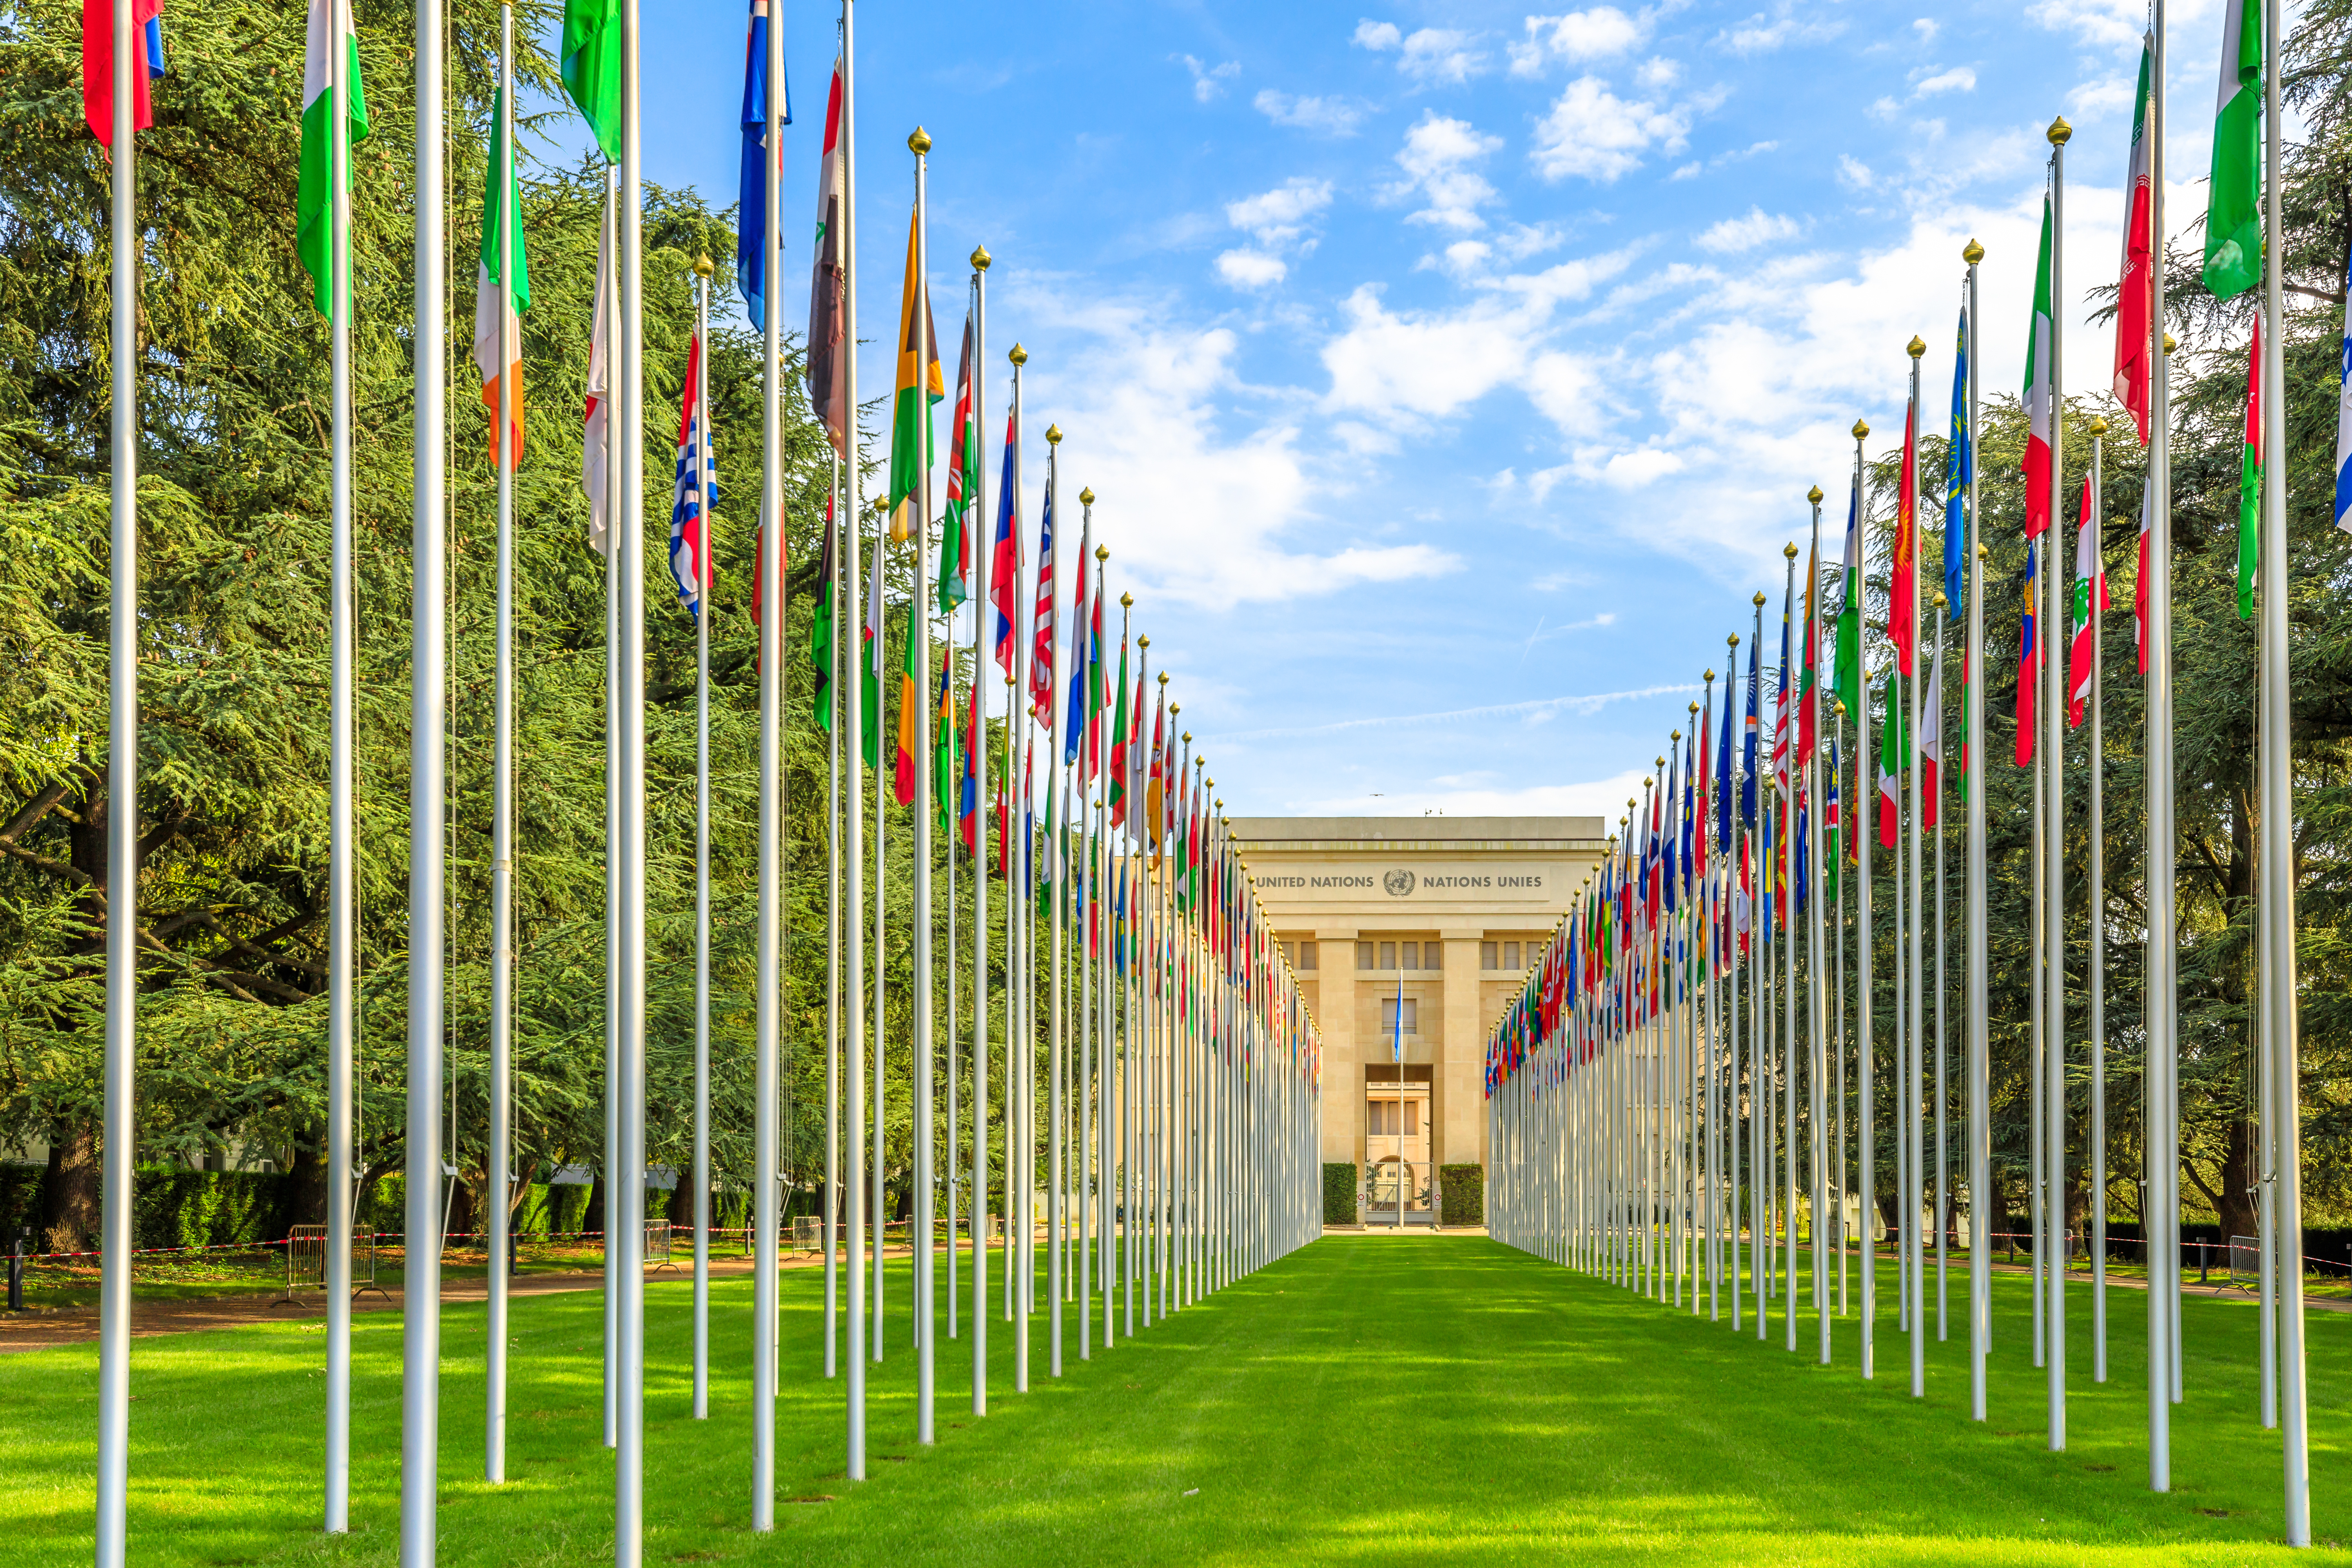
1464 899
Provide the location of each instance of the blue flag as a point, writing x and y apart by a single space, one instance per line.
1959 466
752 189
1748 747
1723 778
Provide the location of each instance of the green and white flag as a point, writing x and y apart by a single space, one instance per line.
2234 219
590 63
333 43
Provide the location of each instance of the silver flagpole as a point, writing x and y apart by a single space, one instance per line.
1864 790
1019 1039
919 628
420 1395
2053 835
1979 1019
2097 909
1941 1208
1057 871
1915 1033
983 562
1842 1185
2275 881
852 703
1784 930
1732 852
1817 1023
878 658
500 1177
629 1468
2159 1210
830 1224
122 788
767 1020
612 821
341 922
699 395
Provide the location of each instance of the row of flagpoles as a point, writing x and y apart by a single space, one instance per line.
1185 1070
1671 1086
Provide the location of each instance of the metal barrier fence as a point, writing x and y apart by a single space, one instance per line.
306 1264
656 1255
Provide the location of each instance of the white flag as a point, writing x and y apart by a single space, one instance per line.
595 449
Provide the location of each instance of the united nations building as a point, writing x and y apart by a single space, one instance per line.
1409 935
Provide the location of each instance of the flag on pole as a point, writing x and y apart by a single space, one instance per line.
1722 792
1931 745
1834 830
919 386
2250 477
98 66
2135 291
1960 468
1781 725
2038 409
1749 739
1848 673
1893 744
1041 621
968 787
2233 213
1155 793
869 662
2344 418
1004 562
2090 598
1808 696
497 310
1074 741
1095 685
1901 588
821 623
751 181
1115 775
590 62
963 475
943 742
333 44
1139 761
2028 660
695 491
828 389
595 440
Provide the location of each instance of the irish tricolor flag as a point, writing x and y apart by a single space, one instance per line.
2234 214
2037 408
499 300
334 47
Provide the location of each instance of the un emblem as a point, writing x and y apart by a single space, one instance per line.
1398 883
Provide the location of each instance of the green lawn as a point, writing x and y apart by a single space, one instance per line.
1380 1399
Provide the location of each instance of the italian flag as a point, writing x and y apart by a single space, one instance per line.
2038 400
334 47
2234 219
2090 598
2136 293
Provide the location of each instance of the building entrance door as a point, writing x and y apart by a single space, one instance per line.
1397 1174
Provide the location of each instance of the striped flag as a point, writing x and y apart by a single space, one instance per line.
1902 578
2250 477
590 62
332 45
1041 653
1893 742
2090 598
1931 743
695 489
964 476
595 439
97 64
751 181
919 386
2038 409
828 390
2028 660
1960 468
2233 214
497 310
2136 289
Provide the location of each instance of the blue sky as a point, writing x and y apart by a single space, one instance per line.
1450 374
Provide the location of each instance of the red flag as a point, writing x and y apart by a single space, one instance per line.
2135 291
97 64
1901 588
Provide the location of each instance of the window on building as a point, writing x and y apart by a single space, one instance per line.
1412 1119
1431 953
1363 955
1411 954
1388 955
1510 955
1306 955
1389 1016
1490 954
1377 1118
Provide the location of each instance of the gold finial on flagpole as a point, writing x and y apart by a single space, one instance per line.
1861 429
1915 347
702 267
2060 132
1053 435
1126 601
981 259
1789 550
1018 354
1940 600
2170 342
1814 495
920 143
1710 675
1759 597
1163 674
1972 253
2098 423
1733 639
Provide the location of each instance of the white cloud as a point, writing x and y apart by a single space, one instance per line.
1598 33
1204 502
1632 471
1761 33
1958 79
1207 80
1853 174
1603 798
1427 55
1734 235
1251 269
1594 135
1692 170
1327 116
1435 158
1927 27
1659 73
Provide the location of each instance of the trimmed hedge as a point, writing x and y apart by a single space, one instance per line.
1340 1192
1462 1191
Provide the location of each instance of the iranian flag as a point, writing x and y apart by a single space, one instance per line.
2136 294
2090 598
2234 216
334 49
2038 395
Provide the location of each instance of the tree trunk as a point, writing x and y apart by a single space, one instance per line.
680 1210
461 1209
306 1188
592 1218
71 1215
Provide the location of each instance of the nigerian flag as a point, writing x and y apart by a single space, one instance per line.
2233 218
334 47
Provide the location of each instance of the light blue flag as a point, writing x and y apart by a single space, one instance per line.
1959 466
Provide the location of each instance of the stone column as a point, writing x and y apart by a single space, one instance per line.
1458 1093
1343 1070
